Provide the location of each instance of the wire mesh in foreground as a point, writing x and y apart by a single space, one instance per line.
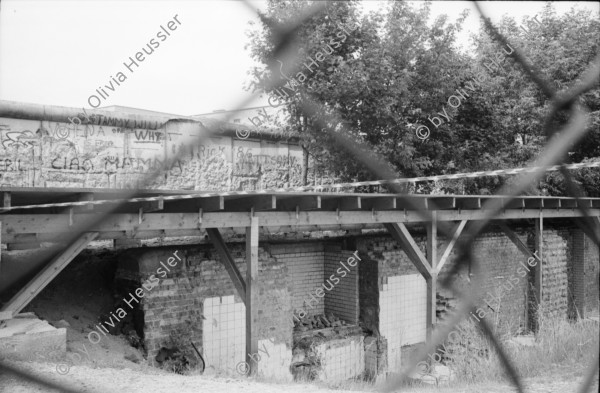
552 156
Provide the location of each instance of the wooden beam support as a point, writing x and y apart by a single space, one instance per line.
400 233
456 231
47 274
6 199
227 260
517 242
538 277
252 294
596 228
432 279
84 197
432 241
58 223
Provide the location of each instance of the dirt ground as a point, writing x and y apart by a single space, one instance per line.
86 379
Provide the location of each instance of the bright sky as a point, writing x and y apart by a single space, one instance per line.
60 52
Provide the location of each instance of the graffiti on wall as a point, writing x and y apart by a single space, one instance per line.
115 153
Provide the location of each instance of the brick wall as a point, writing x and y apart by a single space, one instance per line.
583 275
510 292
591 280
556 255
383 278
503 288
392 295
385 292
177 302
304 262
368 290
342 300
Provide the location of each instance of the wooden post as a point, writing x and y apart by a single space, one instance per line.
251 292
432 279
227 260
458 228
6 199
537 280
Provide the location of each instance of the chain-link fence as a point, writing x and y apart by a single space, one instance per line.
558 143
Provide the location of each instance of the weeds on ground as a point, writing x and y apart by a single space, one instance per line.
185 360
557 342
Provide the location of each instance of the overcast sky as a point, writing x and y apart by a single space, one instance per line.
60 52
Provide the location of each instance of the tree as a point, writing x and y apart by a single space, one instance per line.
395 73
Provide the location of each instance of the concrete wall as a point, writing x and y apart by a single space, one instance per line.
116 152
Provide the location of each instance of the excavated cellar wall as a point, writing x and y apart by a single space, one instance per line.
506 285
198 286
392 298
389 293
584 276
343 299
198 298
305 267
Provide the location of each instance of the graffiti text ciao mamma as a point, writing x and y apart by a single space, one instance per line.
72 164
140 165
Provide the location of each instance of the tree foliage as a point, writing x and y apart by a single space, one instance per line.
397 68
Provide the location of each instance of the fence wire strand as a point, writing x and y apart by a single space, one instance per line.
558 142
